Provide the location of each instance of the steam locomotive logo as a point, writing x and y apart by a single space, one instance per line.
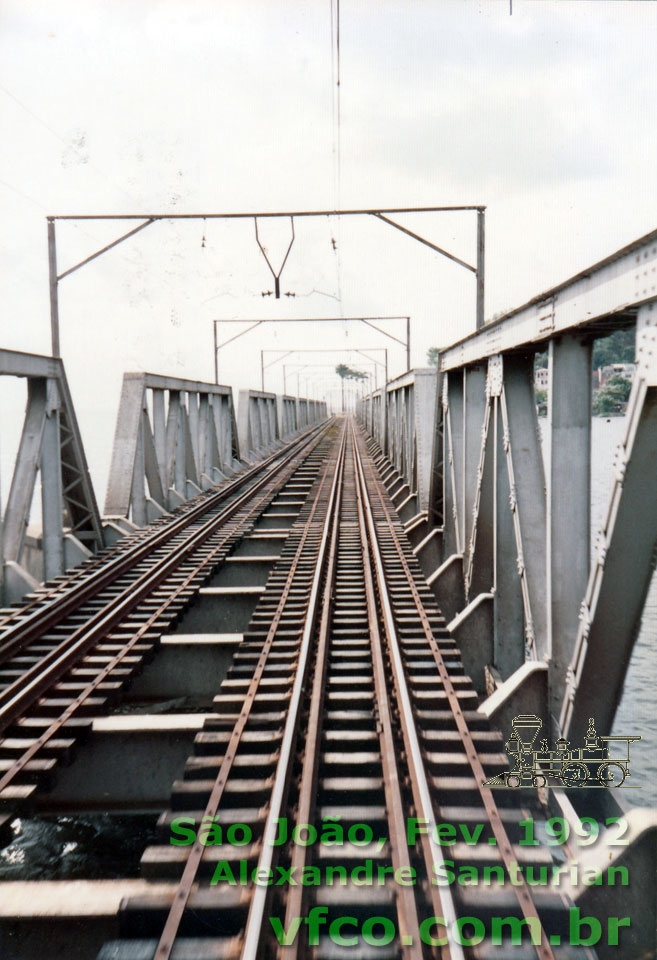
601 762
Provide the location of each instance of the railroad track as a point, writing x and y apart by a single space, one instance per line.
69 652
346 714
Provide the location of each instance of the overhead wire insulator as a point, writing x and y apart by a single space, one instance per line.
276 276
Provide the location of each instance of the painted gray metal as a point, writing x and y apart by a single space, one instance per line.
287 416
400 418
265 420
50 443
625 556
256 423
523 530
619 283
173 437
568 522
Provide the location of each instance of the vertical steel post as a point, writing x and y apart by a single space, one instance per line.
568 527
480 267
262 370
216 353
408 343
51 488
54 293
384 410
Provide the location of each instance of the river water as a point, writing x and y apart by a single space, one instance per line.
104 846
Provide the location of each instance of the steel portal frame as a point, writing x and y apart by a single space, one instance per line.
380 213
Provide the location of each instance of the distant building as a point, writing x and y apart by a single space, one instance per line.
602 374
541 378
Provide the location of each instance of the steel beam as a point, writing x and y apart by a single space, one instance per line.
527 485
51 443
28 459
189 446
568 524
256 423
475 404
509 646
615 286
51 488
625 559
424 395
454 480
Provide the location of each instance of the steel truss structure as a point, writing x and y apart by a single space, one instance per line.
51 445
507 539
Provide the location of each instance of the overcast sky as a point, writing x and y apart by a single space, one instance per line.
545 116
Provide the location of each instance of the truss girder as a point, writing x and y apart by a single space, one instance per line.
173 438
51 444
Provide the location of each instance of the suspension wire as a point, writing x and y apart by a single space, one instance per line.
337 45
333 116
336 137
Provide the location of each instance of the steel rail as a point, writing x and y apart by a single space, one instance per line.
17 698
409 930
310 766
40 675
260 896
443 903
527 906
83 588
167 939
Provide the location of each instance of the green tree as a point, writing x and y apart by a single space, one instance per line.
619 347
433 356
346 373
612 396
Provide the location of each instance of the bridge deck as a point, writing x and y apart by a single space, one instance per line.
306 676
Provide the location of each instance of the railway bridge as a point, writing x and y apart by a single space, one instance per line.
276 694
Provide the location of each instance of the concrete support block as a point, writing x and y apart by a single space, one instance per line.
472 630
447 585
525 692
